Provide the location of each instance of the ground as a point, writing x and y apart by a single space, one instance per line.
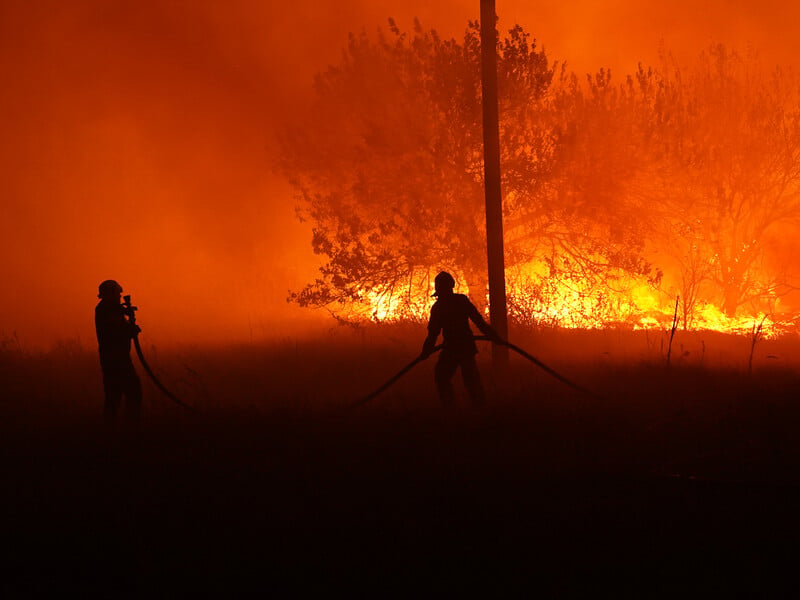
681 480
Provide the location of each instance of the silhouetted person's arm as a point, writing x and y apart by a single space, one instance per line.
481 323
114 333
113 329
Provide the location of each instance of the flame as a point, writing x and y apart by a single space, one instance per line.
536 300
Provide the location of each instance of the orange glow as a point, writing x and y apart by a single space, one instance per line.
138 144
571 305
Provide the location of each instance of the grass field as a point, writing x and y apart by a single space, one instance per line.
681 481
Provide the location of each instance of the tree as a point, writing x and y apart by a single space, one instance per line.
596 224
687 174
388 167
727 171
387 164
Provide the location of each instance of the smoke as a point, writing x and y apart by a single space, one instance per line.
139 141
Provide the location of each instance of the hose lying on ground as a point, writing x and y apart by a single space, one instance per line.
484 338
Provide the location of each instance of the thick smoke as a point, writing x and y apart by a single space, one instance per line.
139 141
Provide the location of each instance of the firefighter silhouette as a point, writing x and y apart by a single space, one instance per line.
114 335
450 316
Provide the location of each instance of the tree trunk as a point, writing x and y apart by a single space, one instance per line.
730 301
733 276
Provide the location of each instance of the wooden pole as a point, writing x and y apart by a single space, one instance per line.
491 172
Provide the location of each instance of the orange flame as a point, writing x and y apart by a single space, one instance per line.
536 300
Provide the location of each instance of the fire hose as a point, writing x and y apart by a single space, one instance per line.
484 338
131 312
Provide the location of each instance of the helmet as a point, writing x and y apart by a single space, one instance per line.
109 289
443 281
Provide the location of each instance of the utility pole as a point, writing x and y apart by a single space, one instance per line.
491 177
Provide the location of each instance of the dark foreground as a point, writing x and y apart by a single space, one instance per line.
683 482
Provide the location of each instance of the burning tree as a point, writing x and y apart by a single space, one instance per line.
388 163
726 172
690 175
388 167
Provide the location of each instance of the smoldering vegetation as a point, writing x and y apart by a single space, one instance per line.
682 476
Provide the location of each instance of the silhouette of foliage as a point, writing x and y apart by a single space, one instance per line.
693 173
387 165
725 171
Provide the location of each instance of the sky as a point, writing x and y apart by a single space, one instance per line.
139 142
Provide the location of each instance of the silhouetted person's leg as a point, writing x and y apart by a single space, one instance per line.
133 394
112 387
443 374
472 380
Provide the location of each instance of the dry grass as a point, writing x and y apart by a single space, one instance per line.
272 486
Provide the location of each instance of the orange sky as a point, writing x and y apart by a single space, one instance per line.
138 141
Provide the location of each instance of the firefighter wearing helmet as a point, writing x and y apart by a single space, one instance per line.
114 335
450 316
